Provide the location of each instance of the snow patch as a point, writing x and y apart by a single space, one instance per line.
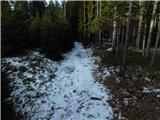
64 90
110 49
106 73
150 90
147 79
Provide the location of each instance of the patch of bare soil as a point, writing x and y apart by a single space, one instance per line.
130 100
7 111
135 94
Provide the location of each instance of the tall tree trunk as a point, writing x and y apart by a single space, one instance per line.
114 29
99 38
139 25
64 7
122 38
117 45
156 44
151 28
97 8
124 62
155 22
97 14
84 23
144 38
134 33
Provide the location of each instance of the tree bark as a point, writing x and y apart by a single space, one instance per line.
114 29
151 28
97 14
99 38
134 33
139 25
84 22
97 8
117 45
124 62
155 22
156 44
122 39
64 7
144 38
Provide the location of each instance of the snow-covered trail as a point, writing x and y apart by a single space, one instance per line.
59 91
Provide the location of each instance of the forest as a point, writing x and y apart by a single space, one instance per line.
80 60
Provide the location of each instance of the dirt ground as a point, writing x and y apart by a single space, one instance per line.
7 111
130 100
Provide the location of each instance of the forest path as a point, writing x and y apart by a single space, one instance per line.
65 90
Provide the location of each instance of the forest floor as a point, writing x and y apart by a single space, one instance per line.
136 93
41 89
85 85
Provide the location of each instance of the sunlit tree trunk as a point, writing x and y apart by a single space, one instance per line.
156 44
114 29
144 38
139 25
97 8
155 22
124 62
151 28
